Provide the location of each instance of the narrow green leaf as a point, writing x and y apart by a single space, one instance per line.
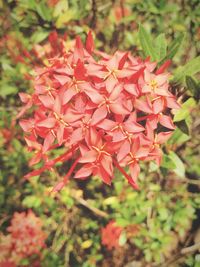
180 167
173 48
146 43
191 68
161 46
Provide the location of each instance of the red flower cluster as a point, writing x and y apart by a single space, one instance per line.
110 235
26 238
106 111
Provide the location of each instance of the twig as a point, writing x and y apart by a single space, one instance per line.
84 202
186 180
190 249
181 254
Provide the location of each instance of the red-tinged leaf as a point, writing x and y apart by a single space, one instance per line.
112 63
35 159
32 143
47 123
26 125
76 136
72 116
105 176
89 42
24 97
142 152
135 145
24 109
107 125
134 170
94 138
123 60
106 162
118 136
163 137
133 127
116 92
123 151
149 131
60 134
47 101
166 121
131 89
119 109
134 78
79 71
163 67
94 95
57 105
142 106
68 94
78 50
84 172
158 105
172 103
99 115
58 187
62 79
48 141
88 157
110 82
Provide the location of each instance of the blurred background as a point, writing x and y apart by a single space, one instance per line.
89 224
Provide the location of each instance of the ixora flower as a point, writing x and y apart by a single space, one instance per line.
110 235
104 111
25 238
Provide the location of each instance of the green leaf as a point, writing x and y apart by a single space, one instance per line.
180 167
147 43
174 46
43 11
185 111
167 163
191 68
182 125
66 17
31 202
193 87
122 239
39 36
161 46
7 89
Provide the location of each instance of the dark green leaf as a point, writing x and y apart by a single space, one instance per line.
193 87
182 125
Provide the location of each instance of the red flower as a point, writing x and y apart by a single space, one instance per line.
26 238
110 235
105 112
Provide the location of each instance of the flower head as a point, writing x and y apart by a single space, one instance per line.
106 111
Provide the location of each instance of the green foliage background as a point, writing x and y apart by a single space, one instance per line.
166 209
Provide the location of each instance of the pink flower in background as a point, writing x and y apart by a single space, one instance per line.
25 238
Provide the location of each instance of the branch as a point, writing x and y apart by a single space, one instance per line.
190 249
84 202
